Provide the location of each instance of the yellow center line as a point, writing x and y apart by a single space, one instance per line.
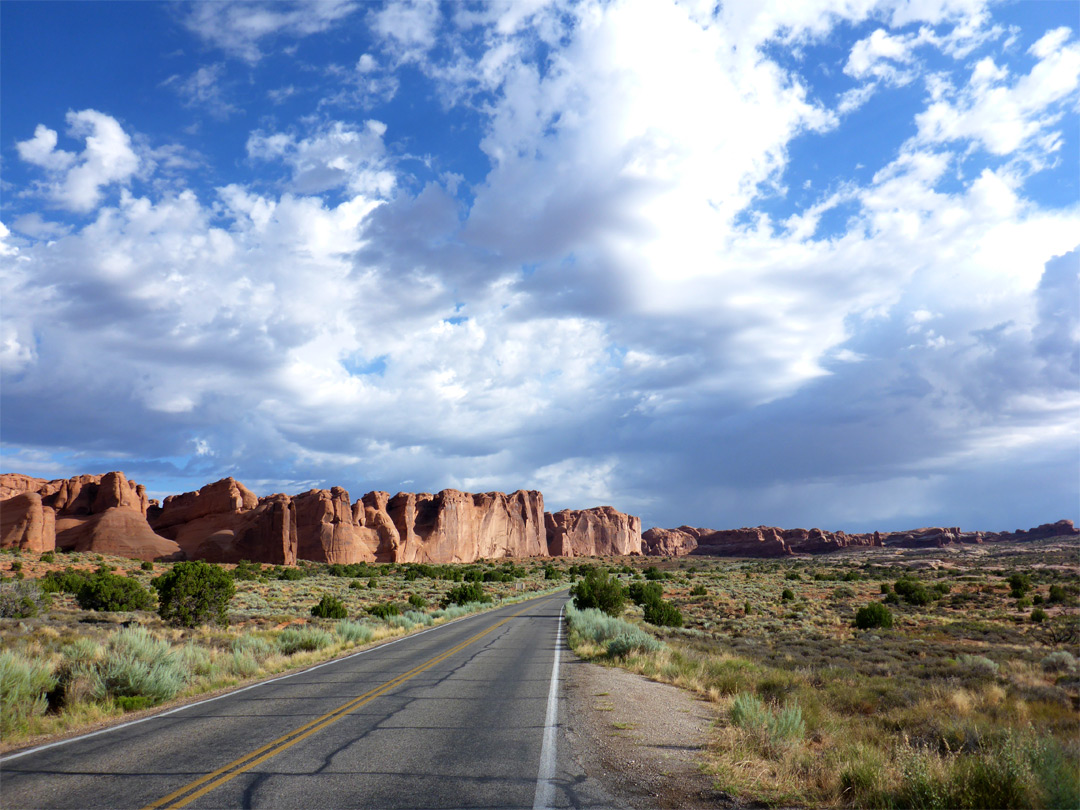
200 786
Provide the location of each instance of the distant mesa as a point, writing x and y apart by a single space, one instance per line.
769 541
225 522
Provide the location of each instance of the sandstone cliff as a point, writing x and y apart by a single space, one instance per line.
595 532
105 514
455 526
225 522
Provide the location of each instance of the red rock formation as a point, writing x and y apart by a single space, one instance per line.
762 541
455 526
595 532
1063 528
225 522
669 542
372 512
326 530
26 524
105 514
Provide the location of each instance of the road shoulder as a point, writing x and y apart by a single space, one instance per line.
640 739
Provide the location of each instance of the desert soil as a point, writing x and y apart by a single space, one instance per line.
640 739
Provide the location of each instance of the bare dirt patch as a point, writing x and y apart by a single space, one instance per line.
640 739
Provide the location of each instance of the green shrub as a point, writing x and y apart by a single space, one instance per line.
24 686
1038 615
289 574
292 640
330 607
699 590
106 591
136 664
663 614
67 581
464 594
787 595
912 591
194 593
385 610
146 565
1057 594
48 557
641 593
22 600
417 601
873 615
551 572
247 571
600 591
1020 585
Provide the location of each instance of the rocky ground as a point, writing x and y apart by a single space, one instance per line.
642 740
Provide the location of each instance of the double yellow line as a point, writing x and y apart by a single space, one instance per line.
203 785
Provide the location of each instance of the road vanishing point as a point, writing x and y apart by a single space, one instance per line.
463 715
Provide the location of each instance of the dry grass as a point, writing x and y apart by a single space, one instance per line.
964 703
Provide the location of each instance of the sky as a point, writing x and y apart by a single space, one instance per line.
806 264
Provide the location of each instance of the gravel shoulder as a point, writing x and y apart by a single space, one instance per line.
640 739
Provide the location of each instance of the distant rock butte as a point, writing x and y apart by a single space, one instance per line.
105 514
769 541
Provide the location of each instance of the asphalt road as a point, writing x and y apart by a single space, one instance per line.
463 715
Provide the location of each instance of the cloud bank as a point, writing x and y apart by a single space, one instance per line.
624 306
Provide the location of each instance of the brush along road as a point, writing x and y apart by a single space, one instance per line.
463 715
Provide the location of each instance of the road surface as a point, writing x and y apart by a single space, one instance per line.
462 715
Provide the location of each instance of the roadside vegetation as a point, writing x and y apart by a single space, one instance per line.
872 678
88 637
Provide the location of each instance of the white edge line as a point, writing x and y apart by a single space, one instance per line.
186 706
545 779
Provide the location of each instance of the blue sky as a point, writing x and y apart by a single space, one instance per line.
807 264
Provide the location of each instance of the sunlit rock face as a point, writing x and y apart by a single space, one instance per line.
599 531
104 514
454 526
225 522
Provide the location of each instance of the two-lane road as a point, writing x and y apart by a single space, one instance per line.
462 715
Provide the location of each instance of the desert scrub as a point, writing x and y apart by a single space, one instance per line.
22 600
293 640
354 632
617 637
138 670
770 730
24 685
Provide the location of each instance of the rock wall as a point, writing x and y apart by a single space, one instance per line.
454 526
768 541
600 531
104 514
225 522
